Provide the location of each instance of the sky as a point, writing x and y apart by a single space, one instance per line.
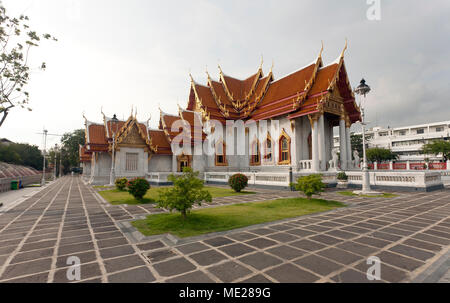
115 55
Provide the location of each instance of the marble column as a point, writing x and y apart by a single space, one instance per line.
348 146
342 144
322 152
315 147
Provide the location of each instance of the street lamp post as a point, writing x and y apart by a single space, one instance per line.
363 89
43 153
112 177
54 162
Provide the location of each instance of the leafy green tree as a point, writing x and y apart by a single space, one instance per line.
438 147
21 154
187 190
30 155
378 154
16 40
71 145
310 185
9 155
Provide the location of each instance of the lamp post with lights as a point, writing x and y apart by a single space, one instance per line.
363 89
114 122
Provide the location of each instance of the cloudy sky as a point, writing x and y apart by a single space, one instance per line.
119 54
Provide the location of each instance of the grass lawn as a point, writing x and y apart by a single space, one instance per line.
229 217
116 197
352 194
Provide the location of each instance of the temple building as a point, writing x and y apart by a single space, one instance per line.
300 109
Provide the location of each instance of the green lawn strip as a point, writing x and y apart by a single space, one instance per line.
229 217
352 194
117 197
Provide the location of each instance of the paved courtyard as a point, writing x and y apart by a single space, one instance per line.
409 234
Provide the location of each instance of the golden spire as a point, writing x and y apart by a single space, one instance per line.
321 50
85 119
345 48
262 61
271 67
220 69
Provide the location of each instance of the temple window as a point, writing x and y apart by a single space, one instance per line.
131 161
285 149
268 150
221 159
255 157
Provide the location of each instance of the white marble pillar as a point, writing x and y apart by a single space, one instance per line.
174 163
322 151
315 147
348 146
342 144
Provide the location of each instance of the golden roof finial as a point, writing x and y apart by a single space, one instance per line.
192 79
345 48
85 119
220 69
135 112
271 68
321 50
101 111
148 120
262 61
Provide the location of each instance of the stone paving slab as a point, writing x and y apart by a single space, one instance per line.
410 233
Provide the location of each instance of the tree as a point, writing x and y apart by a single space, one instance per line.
438 147
21 154
378 154
310 185
16 40
71 147
186 191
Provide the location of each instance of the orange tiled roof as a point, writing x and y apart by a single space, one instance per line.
84 155
159 141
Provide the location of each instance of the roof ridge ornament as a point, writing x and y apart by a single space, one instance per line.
345 48
261 63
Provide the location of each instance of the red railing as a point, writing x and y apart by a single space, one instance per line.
370 166
383 166
417 166
438 165
399 165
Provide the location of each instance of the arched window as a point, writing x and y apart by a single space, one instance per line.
255 156
285 149
221 158
268 149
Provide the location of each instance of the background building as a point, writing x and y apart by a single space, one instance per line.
407 141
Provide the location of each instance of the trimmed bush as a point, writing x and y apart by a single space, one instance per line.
121 183
138 187
342 176
310 185
238 182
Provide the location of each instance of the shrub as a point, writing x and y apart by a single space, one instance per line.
138 187
187 189
121 183
310 185
342 176
238 182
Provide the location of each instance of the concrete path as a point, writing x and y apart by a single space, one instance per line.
67 219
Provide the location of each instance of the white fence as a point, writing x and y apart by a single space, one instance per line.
413 179
273 179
